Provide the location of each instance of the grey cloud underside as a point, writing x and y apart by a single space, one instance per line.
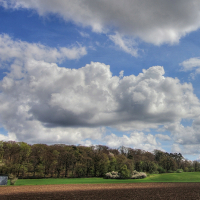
54 117
154 21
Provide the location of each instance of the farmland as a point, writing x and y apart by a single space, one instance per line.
51 172
184 185
136 191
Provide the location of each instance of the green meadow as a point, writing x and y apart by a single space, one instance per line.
166 177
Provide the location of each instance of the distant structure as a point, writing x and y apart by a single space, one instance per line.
3 179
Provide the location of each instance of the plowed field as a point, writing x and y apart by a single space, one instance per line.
137 191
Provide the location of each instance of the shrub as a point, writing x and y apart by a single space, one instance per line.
161 170
151 167
112 175
170 171
138 175
12 178
191 169
155 172
12 181
124 172
186 169
179 171
116 175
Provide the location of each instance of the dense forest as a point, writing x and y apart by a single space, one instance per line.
60 160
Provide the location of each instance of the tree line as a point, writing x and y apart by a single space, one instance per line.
60 160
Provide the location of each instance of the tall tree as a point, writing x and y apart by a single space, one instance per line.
23 157
37 157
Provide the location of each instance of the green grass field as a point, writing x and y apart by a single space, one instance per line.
168 177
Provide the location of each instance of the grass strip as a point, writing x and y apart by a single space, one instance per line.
153 178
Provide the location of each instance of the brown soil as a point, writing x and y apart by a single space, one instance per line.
137 191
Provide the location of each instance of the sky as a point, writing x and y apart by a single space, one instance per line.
103 72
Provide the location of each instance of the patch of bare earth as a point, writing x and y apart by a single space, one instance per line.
137 191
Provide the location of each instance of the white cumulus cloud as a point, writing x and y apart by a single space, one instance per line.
154 21
192 64
125 44
10 49
137 140
186 138
39 99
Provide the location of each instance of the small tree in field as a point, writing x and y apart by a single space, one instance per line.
13 179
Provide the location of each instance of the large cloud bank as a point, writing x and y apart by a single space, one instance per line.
42 102
154 21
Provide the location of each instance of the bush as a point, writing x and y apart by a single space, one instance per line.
117 175
155 172
138 175
186 169
161 170
179 171
124 172
13 179
191 169
112 175
170 171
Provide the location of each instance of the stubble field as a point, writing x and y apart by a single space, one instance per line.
137 191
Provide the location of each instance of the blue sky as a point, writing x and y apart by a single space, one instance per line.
103 72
